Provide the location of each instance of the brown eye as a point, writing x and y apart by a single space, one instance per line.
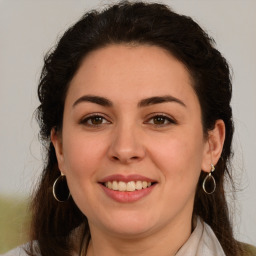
95 120
160 120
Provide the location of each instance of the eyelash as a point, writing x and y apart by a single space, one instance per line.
167 120
88 121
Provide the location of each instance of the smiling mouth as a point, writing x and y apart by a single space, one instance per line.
127 186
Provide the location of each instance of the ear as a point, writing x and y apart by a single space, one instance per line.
57 143
213 146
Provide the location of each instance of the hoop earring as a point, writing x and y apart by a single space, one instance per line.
60 189
207 179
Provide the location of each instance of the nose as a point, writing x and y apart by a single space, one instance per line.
126 145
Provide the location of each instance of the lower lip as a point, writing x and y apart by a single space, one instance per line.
127 197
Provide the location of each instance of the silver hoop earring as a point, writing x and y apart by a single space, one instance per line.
60 189
209 182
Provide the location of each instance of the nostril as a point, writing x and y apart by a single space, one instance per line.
125 159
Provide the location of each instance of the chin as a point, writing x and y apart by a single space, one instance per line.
130 225
130 231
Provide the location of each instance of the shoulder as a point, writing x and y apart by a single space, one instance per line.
19 251
23 250
248 250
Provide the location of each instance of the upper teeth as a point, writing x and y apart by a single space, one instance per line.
127 186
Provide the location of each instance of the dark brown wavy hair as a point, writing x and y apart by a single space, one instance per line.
141 24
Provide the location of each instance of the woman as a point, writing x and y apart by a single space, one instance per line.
135 116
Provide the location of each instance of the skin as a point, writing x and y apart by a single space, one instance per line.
127 139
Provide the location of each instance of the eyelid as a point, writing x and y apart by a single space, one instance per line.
87 117
160 114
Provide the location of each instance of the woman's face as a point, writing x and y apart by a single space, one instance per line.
132 145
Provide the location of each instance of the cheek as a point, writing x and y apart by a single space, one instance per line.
179 157
82 154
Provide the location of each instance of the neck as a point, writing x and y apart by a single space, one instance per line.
165 241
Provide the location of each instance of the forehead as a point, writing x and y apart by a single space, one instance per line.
132 71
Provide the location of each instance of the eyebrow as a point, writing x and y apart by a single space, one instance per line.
143 103
94 99
158 100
